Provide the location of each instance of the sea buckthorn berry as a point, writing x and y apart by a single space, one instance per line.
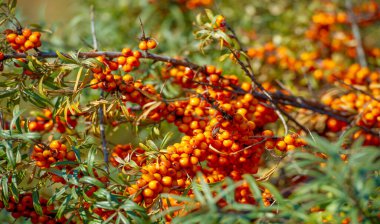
121 60
28 45
137 54
11 38
1 56
246 86
132 60
26 32
167 181
220 21
126 52
154 185
194 101
71 156
143 45
210 69
148 193
281 145
151 44
55 144
20 40
34 39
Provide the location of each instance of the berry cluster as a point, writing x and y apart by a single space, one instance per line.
147 44
127 152
44 122
24 207
24 40
46 155
192 4
105 77
267 197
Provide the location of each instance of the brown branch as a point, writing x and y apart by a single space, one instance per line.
356 32
279 97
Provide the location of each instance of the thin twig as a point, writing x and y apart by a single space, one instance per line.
356 32
100 111
279 97
93 33
356 89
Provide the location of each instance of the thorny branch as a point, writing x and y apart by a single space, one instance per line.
100 111
357 35
278 97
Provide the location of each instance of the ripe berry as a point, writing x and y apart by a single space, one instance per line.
148 192
20 40
143 45
151 44
167 181
26 33
11 37
55 145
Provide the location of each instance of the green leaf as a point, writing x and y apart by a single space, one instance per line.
123 218
4 190
14 189
11 157
65 59
166 139
36 202
254 188
63 206
92 181
152 145
7 93
57 195
37 99
16 119
90 161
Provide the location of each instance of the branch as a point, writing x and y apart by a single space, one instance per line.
100 111
93 33
110 54
278 97
357 35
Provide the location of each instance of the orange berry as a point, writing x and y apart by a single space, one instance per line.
167 181
143 45
33 126
132 60
34 38
55 145
246 86
214 78
148 193
11 37
126 52
20 40
26 32
28 44
289 140
210 69
127 68
137 54
194 101
281 145
151 44
46 153
194 160
71 156
154 185
121 60
184 162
